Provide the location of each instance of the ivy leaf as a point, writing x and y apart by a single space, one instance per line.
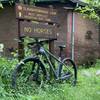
1 6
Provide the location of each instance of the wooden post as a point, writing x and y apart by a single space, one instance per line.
51 46
51 49
20 44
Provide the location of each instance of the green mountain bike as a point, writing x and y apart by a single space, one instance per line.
40 66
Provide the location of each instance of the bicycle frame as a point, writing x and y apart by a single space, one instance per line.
47 55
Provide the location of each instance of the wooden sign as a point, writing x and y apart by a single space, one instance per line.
30 12
39 30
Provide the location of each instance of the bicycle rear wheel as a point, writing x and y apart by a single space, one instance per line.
68 71
28 70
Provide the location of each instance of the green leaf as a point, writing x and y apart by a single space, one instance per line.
1 6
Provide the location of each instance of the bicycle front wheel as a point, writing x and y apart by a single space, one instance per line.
28 70
68 71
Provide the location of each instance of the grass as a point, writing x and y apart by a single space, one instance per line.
88 86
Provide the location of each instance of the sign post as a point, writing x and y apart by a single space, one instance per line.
20 44
26 15
27 12
37 30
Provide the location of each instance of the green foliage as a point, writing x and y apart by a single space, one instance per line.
27 50
20 1
30 51
97 63
1 6
88 88
91 10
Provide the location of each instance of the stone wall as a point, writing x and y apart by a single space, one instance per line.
86 39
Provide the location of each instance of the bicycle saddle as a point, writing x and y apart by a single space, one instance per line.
62 46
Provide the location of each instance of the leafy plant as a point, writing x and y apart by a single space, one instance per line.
53 91
91 10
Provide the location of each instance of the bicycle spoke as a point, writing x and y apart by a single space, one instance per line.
30 71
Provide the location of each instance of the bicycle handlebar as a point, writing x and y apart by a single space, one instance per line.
41 41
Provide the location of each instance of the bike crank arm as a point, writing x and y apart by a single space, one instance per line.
64 77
